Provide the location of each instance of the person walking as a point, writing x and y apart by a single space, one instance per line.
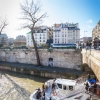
38 94
86 87
95 87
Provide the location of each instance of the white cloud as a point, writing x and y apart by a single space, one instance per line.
89 21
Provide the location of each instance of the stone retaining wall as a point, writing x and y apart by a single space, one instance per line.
42 73
92 58
67 58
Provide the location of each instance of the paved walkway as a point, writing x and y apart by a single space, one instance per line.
46 68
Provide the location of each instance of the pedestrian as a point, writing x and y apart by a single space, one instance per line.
88 77
95 87
87 86
50 98
38 94
43 87
43 97
53 86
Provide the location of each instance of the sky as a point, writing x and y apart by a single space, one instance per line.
84 12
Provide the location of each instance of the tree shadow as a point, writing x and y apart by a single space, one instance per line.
21 75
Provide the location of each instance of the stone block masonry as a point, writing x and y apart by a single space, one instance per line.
92 58
57 58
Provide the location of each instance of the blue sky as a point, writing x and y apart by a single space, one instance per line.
84 12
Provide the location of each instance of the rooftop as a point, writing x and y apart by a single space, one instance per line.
66 82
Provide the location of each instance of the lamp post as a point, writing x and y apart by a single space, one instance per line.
85 40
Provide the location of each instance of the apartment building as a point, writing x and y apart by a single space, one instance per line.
10 41
40 35
3 39
66 33
96 32
20 41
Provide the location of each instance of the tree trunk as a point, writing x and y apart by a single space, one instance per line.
36 50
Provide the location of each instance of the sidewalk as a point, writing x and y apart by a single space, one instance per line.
46 68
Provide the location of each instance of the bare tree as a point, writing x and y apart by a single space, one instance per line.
32 15
3 24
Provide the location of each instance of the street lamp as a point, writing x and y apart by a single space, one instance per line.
85 40
85 32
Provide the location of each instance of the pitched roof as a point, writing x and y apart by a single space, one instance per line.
57 25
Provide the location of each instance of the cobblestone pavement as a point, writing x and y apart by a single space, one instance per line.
9 90
17 86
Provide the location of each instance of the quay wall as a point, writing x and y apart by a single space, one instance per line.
64 58
92 58
42 73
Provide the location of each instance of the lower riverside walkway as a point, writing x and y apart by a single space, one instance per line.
54 70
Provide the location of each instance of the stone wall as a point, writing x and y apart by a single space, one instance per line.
36 72
61 58
92 58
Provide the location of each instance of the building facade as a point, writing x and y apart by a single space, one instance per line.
65 33
20 41
40 35
10 41
3 39
96 34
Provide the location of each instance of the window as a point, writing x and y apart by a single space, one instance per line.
58 34
73 34
35 34
40 37
64 87
55 40
43 34
60 86
55 34
70 88
43 40
62 35
62 40
58 40
43 37
40 40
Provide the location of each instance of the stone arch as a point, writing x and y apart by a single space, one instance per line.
50 62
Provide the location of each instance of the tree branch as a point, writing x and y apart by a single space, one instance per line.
3 24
